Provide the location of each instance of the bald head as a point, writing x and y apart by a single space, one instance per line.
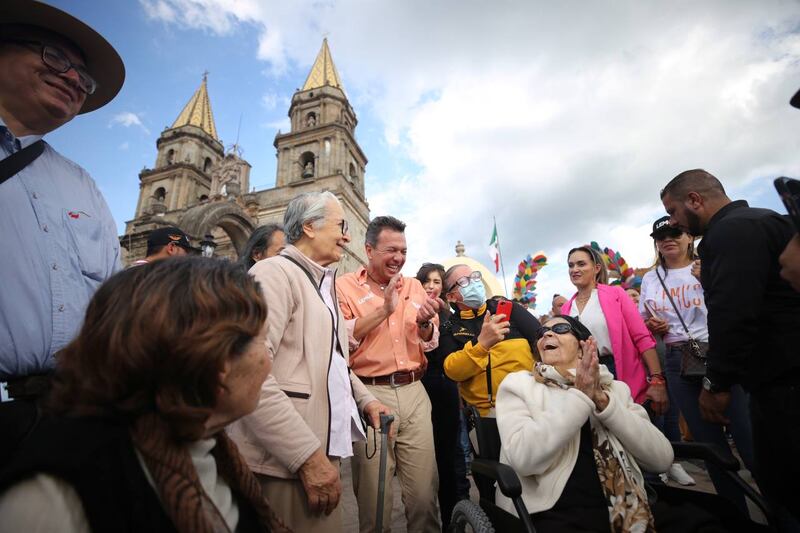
697 180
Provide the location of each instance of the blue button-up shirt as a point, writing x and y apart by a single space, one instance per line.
59 242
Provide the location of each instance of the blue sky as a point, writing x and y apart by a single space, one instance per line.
562 120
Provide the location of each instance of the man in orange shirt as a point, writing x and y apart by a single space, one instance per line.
391 322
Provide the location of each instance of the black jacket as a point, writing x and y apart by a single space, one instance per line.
457 331
753 314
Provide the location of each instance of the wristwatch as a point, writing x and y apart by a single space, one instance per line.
424 325
712 387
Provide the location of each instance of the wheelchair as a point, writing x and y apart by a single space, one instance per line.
488 473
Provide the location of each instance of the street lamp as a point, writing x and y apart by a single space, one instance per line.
208 245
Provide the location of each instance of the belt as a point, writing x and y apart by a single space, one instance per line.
395 379
29 387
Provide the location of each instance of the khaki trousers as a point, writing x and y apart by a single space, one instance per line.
411 456
288 498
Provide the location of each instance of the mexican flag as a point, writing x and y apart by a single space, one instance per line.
494 250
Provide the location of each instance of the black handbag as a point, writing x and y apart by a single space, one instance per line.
693 352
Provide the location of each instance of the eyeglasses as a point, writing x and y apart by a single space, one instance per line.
561 328
463 281
345 227
60 64
671 233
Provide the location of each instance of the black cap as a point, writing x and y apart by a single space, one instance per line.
660 226
164 236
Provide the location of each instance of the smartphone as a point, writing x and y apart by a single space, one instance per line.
650 305
504 307
789 191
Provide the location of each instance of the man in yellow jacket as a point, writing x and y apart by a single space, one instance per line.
484 346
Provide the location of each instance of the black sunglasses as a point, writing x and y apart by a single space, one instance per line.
672 233
561 328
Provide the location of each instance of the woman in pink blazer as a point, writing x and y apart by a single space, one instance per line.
625 344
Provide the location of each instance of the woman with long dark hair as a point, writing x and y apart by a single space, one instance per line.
169 354
266 241
624 344
673 304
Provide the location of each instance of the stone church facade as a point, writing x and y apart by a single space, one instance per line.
203 189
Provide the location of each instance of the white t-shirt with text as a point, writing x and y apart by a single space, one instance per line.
687 293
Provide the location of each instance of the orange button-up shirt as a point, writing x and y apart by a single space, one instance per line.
394 345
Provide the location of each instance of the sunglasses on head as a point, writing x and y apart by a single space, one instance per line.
671 233
561 328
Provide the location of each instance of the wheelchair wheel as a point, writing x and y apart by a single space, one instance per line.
468 517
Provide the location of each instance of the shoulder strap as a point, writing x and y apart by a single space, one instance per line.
666 290
319 292
306 272
13 164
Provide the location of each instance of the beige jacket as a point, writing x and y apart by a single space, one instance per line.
292 419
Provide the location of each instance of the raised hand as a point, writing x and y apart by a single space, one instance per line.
587 374
391 294
494 329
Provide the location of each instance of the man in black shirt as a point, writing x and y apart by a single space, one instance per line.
753 323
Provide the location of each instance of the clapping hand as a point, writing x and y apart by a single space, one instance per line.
391 294
587 374
429 309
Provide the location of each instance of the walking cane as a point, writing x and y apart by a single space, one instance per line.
386 421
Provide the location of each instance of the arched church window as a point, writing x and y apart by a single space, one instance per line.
160 194
311 120
170 156
327 145
203 197
207 164
352 173
307 165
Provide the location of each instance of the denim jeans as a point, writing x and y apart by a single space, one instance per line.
686 394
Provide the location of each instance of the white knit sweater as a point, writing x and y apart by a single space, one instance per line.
540 433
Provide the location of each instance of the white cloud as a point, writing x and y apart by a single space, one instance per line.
125 146
270 100
128 119
561 119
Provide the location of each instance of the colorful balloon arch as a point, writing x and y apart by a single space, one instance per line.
618 268
525 279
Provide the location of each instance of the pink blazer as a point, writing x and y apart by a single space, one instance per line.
629 337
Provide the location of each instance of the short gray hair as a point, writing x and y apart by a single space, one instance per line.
305 208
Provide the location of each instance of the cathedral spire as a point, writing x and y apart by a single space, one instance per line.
324 71
198 111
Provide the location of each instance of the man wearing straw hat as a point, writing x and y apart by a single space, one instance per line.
59 238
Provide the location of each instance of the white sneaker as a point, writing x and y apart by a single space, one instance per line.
677 473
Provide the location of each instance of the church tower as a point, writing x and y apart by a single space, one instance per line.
322 140
321 152
190 164
187 152
203 189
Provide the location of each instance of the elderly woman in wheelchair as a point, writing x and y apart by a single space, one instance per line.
578 443
576 438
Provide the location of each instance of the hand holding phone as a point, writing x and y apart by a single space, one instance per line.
650 305
504 307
